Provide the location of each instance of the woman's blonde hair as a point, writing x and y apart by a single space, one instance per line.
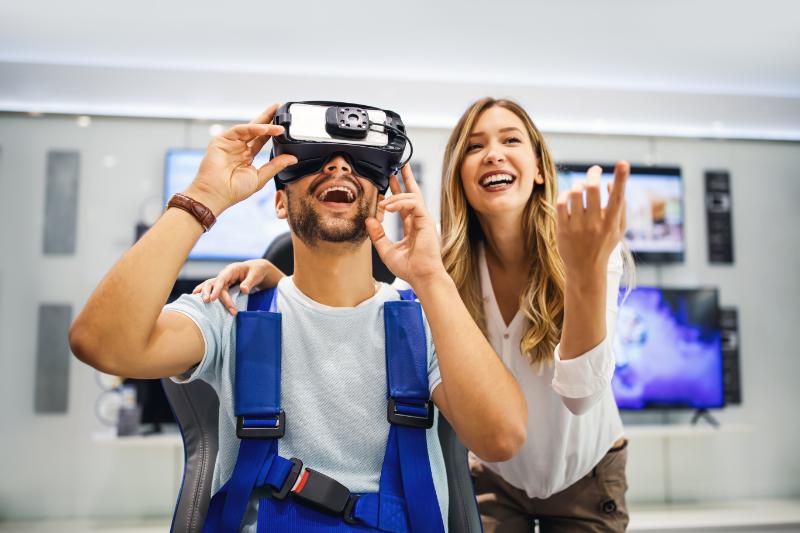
542 301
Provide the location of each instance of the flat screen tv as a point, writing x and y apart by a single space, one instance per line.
243 231
153 401
655 215
668 350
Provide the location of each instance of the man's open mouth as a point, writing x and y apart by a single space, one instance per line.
339 194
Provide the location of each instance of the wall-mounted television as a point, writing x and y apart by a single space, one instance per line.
655 214
243 231
668 349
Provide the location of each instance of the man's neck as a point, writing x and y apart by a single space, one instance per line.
334 274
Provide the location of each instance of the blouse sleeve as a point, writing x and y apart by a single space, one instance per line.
582 381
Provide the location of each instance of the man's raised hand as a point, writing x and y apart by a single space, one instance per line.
227 175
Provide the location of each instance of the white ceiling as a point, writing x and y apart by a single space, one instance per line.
716 46
697 68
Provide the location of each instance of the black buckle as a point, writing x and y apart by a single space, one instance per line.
413 421
264 432
322 492
348 510
294 473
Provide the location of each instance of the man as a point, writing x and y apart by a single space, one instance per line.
333 384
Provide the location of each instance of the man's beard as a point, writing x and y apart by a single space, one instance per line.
306 222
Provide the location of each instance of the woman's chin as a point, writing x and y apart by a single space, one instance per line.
501 212
501 207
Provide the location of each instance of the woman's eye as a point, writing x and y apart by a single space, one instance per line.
513 140
473 147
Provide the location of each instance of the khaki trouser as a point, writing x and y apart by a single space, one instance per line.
594 503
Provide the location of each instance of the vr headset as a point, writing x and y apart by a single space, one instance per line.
372 140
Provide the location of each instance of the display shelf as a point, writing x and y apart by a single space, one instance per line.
636 431
156 440
170 441
734 515
666 436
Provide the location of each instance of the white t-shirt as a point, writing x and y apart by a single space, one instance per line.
561 447
333 387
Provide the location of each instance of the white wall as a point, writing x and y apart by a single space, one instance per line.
424 101
50 466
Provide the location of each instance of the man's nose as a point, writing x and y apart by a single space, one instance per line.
337 164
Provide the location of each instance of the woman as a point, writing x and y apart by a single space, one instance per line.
540 274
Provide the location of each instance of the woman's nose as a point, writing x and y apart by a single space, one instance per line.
494 155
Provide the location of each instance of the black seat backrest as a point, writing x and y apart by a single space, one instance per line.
196 409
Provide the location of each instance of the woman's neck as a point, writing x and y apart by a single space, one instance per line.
504 242
507 262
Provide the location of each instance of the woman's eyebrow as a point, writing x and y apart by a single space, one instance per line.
501 130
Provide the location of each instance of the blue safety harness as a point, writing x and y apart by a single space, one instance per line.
296 499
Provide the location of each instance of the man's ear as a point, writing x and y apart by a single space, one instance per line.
280 204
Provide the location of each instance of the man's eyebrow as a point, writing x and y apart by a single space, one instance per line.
501 130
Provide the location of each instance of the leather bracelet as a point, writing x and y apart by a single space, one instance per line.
200 212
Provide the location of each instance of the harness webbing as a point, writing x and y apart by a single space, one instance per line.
406 501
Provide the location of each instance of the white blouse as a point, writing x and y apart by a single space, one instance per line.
572 416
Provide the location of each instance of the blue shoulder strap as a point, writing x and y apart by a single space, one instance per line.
257 392
410 412
259 418
407 295
263 301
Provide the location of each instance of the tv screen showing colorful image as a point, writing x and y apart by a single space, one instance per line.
243 231
654 198
668 349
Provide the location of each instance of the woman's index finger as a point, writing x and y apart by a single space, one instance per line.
621 172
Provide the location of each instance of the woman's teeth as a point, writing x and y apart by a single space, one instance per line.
496 179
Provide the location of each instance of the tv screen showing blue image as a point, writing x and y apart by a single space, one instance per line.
654 216
668 350
243 231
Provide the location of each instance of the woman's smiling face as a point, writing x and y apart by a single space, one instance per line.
499 168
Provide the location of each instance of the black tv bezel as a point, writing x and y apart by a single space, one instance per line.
667 406
645 258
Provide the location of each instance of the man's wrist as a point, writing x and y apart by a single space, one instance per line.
199 212
208 199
